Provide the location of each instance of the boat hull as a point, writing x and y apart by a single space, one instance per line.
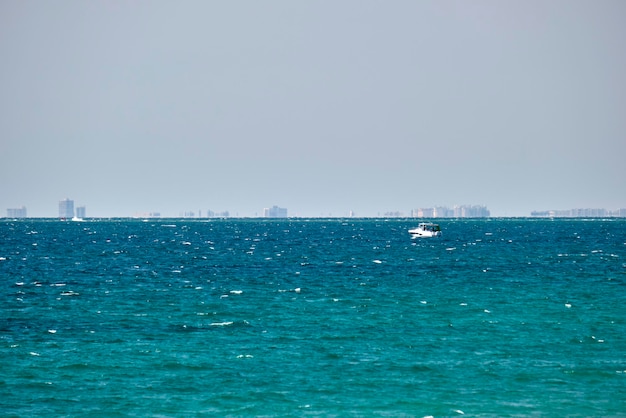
424 234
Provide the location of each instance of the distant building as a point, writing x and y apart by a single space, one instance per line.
393 214
81 212
443 212
213 214
471 211
275 212
16 212
147 215
66 209
579 213
424 213
463 211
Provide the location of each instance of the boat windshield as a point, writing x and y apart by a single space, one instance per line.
431 227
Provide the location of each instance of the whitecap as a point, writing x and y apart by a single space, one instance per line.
52 331
568 305
236 292
70 293
377 261
32 353
220 324
297 290
450 248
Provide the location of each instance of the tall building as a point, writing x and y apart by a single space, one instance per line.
81 212
275 212
16 212
66 209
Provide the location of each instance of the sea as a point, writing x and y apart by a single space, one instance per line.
312 317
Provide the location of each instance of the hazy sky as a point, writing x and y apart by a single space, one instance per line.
321 107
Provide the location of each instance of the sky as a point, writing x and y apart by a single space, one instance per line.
322 107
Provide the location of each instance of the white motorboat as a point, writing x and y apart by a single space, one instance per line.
425 230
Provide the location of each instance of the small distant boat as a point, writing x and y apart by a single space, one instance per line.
425 230
77 219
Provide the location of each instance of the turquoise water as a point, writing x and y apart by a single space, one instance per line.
312 317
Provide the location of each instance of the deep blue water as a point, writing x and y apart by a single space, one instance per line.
297 317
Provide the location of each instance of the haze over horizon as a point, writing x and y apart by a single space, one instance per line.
319 107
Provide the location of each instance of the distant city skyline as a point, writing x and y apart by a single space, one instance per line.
67 210
22 211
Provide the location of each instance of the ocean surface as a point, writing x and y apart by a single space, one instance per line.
312 317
